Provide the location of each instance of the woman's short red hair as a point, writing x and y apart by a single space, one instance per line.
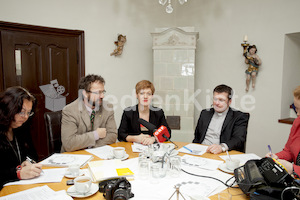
297 92
144 84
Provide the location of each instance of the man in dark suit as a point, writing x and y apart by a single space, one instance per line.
221 127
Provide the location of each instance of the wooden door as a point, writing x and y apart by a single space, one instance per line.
33 56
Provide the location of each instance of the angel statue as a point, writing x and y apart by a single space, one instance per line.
120 44
253 61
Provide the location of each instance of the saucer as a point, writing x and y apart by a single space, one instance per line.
124 157
72 192
68 175
225 169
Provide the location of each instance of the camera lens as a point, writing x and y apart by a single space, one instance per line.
120 194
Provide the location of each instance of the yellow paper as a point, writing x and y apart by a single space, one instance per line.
124 172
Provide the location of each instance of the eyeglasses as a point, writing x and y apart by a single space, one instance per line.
98 92
24 114
219 100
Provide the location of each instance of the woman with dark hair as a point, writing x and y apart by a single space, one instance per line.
15 141
130 129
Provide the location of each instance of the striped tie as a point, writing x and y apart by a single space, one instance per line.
298 159
92 118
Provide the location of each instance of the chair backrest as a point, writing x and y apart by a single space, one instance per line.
53 130
244 149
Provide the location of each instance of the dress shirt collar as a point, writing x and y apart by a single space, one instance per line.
90 110
222 114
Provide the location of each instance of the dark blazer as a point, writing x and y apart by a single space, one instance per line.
9 159
130 126
233 132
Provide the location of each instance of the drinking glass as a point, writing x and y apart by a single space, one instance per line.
175 166
155 174
144 169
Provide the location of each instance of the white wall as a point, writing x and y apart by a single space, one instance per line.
290 72
221 24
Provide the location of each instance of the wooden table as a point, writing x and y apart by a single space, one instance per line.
237 194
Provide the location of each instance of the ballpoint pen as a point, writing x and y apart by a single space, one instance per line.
270 151
32 162
188 149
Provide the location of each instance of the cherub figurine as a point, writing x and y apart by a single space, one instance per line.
254 62
120 43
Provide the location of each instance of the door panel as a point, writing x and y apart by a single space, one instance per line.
46 54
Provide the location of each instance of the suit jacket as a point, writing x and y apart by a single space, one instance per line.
130 126
233 132
76 129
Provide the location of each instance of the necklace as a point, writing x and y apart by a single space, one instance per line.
17 154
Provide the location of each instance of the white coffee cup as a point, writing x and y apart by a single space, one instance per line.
74 169
232 164
119 152
82 184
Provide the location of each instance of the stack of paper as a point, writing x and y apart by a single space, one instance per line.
38 193
136 147
194 149
104 152
204 163
64 160
242 157
48 176
105 169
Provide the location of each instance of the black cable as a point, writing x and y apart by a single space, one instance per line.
291 188
211 178
231 186
168 139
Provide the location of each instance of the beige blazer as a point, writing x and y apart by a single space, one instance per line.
76 129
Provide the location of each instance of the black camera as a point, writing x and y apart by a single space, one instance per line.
116 189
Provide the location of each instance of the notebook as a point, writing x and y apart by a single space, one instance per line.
105 169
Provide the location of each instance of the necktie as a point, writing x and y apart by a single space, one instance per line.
92 118
298 159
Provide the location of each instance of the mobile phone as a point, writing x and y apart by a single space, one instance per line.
70 182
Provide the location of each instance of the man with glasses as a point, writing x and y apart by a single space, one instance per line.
221 127
89 120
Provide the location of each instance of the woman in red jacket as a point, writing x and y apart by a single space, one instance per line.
289 157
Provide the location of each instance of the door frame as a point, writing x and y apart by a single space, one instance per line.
46 31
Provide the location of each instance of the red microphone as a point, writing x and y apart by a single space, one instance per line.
161 134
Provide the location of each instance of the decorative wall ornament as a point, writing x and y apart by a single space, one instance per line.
169 8
120 44
174 38
253 61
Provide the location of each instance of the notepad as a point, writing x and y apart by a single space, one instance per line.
105 169
124 172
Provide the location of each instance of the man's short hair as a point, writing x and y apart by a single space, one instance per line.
224 88
85 82
297 92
